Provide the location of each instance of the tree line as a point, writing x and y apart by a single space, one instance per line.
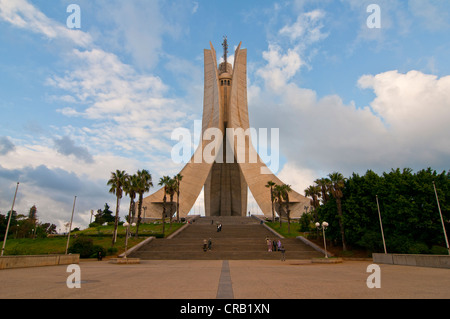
137 185
25 225
407 205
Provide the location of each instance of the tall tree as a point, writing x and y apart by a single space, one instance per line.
285 190
32 215
171 190
271 184
278 196
324 184
131 189
337 185
178 179
144 182
314 191
164 181
116 182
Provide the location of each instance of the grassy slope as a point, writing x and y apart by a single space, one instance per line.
101 236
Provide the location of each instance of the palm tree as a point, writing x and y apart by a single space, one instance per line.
324 184
117 181
281 194
337 184
285 190
144 182
178 179
164 181
131 188
278 197
314 191
271 184
171 190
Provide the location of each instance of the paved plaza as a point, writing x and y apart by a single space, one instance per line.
211 279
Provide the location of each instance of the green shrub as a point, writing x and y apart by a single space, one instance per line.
96 249
438 250
418 248
112 251
82 245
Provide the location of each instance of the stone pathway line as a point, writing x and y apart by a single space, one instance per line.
225 289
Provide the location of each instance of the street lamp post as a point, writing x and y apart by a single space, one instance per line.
323 228
70 226
442 219
145 208
127 225
381 225
9 220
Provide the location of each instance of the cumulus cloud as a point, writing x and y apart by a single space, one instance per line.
284 63
6 145
415 107
280 67
67 147
52 190
404 126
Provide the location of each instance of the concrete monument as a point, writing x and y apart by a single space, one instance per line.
225 181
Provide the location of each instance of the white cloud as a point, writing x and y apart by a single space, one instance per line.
308 27
406 125
128 110
280 68
129 119
22 14
299 179
415 106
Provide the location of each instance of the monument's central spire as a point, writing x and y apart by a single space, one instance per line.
225 49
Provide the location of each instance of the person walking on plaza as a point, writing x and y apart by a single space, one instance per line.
269 244
283 251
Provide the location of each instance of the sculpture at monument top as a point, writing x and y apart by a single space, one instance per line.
225 179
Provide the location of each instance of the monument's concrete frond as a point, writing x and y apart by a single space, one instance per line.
225 178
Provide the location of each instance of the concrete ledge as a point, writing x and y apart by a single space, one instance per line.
433 261
326 260
9 262
178 231
314 246
124 261
136 247
273 231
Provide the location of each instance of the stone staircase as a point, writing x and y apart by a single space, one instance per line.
241 238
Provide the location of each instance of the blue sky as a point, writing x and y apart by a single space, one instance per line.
78 104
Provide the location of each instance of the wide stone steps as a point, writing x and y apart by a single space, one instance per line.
240 239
